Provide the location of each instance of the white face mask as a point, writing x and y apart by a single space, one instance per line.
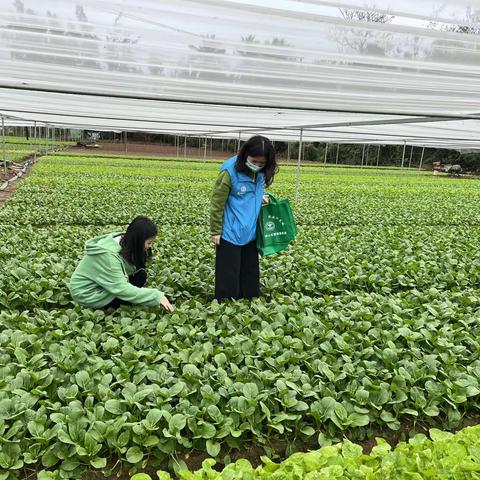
254 168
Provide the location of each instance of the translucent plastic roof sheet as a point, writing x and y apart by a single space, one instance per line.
214 66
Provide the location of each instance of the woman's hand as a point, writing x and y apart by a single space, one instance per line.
265 200
167 305
216 240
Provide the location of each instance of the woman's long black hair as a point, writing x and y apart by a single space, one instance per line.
133 241
258 146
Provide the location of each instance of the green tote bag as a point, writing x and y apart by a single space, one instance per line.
276 226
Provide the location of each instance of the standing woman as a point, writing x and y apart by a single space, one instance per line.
236 202
112 272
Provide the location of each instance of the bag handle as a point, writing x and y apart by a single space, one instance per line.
271 197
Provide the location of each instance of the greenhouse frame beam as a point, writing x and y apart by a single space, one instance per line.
466 116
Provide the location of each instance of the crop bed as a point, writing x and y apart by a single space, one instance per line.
369 321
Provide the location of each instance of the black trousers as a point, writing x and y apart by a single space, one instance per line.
138 279
237 272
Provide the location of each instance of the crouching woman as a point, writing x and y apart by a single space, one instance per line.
112 271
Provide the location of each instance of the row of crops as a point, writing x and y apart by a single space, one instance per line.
368 324
443 457
19 148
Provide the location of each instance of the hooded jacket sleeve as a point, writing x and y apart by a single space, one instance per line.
112 278
223 185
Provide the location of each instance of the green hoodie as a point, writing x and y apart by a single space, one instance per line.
102 275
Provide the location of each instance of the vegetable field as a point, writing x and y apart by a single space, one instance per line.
368 323
19 148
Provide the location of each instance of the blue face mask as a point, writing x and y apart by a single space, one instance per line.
254 168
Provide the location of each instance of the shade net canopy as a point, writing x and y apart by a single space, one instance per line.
348 71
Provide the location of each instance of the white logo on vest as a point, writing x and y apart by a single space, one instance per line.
242 190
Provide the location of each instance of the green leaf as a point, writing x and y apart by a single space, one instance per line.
114 406
308 431
98 462
213 448
49 459
82 378
358 420
350 450
46 475
437 435
177 422
9 456
153 417
250 391
164 476
134 455
69 465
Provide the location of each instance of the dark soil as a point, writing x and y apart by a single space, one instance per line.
151 150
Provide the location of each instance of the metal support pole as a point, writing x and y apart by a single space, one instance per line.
126 141
185 147
421 158
288 152
177 139
378 155
211 147
336 159
46 139
326 153
35 141
403 154
411 155
239 138
363 154
366 155
4 148
205 150
30 140
297 189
